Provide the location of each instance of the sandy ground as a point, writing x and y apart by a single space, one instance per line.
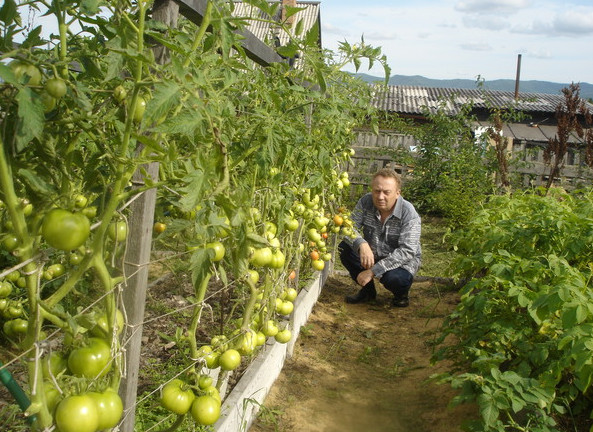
364 368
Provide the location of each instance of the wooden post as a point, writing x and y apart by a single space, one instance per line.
139 248
134 293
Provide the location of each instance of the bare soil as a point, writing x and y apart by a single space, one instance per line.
365 367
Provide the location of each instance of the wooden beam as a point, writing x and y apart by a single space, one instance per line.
255 49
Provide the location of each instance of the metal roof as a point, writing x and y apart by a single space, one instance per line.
415 99
259 22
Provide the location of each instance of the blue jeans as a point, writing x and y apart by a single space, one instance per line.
398 281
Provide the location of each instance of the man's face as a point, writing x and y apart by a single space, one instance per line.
385 193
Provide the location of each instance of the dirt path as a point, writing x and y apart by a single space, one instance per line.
362 368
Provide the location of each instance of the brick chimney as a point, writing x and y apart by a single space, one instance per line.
291 3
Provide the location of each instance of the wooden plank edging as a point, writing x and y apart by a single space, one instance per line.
243 402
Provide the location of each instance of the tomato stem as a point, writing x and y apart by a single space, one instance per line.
201 32
197 313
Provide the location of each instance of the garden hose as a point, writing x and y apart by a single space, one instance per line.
15 390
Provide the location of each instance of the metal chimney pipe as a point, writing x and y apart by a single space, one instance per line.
517 79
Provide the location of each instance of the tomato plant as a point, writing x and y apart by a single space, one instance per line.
233 143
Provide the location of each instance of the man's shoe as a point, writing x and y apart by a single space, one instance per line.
361 296
400 302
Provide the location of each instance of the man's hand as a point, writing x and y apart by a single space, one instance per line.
367 259
364 277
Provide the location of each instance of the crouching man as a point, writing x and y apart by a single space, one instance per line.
386 245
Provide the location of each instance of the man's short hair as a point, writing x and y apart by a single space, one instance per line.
389 173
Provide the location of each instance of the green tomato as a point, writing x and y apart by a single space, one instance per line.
230 360
80 201
54 364
177 397
205 381
119 93
205 410
101 328
278 259
292 224
291 294
261 257
283 336
5 289
253 276
110 408
139 111
270 329
55 87
26 73
77 413
218 249
286 307
118 231
75 258
247 343
10 242
92 360
65 230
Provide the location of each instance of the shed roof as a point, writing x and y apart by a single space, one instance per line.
415 99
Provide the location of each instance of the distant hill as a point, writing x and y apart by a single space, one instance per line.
501 84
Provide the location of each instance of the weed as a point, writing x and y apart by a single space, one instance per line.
369 355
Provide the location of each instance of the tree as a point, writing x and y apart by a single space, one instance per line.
567 117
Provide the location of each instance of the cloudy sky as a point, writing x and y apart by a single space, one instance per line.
449 39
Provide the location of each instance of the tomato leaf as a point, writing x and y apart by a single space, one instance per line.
35 183
31 117
312 36
33 38
89 7
165 98
8 12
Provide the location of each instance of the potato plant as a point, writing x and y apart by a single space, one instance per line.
522 331
249 186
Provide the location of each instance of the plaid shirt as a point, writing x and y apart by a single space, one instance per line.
395 243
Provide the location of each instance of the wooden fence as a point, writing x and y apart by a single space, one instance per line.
528 169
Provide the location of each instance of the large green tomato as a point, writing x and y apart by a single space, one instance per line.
77 414
261 257
177 397
65 230
26 72
110 408
91 361
205 410
230 360
278 259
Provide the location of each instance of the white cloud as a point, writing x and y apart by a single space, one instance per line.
485 22
476 46
539 54
574 22
491 6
